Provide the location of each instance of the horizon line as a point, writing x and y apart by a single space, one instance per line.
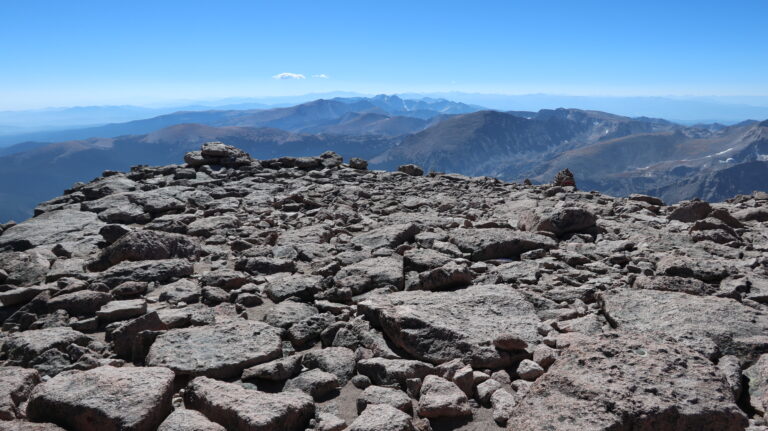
405 94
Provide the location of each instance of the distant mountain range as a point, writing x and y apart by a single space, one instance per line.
354 115
25 125
611 153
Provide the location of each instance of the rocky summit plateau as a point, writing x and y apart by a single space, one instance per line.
306 293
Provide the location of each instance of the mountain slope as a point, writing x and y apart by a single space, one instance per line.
509 144
675 165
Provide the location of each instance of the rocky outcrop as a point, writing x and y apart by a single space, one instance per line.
303 293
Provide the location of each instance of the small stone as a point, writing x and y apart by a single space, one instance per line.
381 395
122 310
529 370
80 303
544 355
357 163
188 420
277 370
212 295
338 361
510 341
730 367
502 377
464 378
442 398
381 417
329 422
484 390
360 381
503 404
411 170
315 382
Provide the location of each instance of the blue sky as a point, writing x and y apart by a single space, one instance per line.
57 53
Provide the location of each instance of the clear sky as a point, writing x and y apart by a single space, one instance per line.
57 53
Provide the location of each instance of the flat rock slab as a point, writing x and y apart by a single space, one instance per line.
125 309
708 324
287 313
279 369
55 227
439 326
614 382
80 303
339 361
22 347
495 243
388 236
300 286
370 274
184 290
19 295
240 409
105 399
159 271
221 350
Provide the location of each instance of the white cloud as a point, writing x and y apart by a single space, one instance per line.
322 76
288 75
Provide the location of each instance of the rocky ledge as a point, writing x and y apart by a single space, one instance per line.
305 293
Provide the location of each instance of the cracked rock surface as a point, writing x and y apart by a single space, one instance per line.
305 293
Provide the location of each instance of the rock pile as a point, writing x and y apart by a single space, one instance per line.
305 293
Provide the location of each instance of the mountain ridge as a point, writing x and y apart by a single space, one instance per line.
611 153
